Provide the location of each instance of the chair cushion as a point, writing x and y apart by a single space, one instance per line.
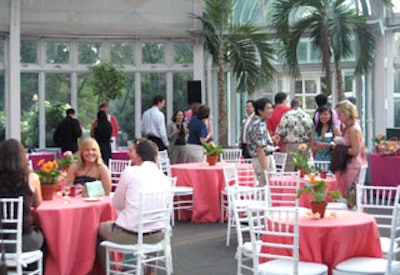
385 244
366 265
336 206
283 267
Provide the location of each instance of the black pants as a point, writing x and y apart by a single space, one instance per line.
245 152
158 141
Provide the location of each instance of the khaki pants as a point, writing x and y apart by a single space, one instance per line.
260 173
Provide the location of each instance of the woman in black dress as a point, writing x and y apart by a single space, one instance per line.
102 134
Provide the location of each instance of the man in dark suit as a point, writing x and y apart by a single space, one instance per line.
67 133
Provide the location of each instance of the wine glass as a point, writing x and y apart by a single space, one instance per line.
67 190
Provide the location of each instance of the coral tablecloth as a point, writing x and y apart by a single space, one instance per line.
305 199
333 239
70 231
120 154
384 170
35 157
207 182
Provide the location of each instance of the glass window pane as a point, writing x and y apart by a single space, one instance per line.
311 87
88 52
28 51
180 91
397 81
57 95
153 53
1 51
315 55
122 53
30 110
87 103
124 110
348 83
298 87
302 52
57 52
2 107
397 112
183 53
397 44
152 84
310 103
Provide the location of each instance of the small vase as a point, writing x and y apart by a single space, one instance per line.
47 191
212 160
318 207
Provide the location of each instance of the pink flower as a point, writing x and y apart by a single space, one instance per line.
67 154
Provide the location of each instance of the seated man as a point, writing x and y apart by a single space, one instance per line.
144 176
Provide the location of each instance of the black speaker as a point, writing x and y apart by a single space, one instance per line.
194 91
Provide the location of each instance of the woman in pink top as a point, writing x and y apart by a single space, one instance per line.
352 134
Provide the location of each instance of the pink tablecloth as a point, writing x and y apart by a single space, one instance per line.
70 231
208 182
120 154
384 170
334 239
36 157
305 199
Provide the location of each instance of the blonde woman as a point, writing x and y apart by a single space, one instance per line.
90 166
352 134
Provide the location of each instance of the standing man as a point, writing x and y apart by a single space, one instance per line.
153 123
259 142
280 108
114 124
294 128
245 124
67 132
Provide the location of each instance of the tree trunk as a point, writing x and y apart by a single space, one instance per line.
326 63
339 82
222 123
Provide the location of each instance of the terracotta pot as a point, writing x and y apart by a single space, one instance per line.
318 207
302 172
212 160
47 191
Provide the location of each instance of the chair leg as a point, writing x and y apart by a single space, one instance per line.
222 208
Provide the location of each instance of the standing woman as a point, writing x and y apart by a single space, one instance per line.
177 131
16 179
352 134
89 166
322 135
198 135
102 134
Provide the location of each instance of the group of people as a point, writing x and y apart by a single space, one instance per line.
104 130
16 179
266 128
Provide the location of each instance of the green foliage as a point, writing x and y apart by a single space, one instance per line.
211 149
318 191
108 80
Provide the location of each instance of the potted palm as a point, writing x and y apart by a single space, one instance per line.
317 188
212 151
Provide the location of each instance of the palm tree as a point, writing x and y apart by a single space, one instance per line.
243 46
331 25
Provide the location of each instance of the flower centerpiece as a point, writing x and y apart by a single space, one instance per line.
212 151
378 139
302 160
48 175
317 189
67 159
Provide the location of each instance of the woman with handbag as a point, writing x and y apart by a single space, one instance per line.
353 137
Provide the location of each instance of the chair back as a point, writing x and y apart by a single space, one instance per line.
231 155
394 249
162 155
11 227
280 161
231 177
277 231
282 188
116 167
378 201
155 212
322 164
164 165
30 164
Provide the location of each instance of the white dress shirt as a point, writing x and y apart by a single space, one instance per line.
153 123
135 179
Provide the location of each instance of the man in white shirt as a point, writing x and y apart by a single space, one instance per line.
144 176
245 124
153 123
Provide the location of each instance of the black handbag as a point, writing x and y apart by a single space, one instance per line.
339 158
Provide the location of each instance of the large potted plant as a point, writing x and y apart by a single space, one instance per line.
48 175
212 151
317 188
